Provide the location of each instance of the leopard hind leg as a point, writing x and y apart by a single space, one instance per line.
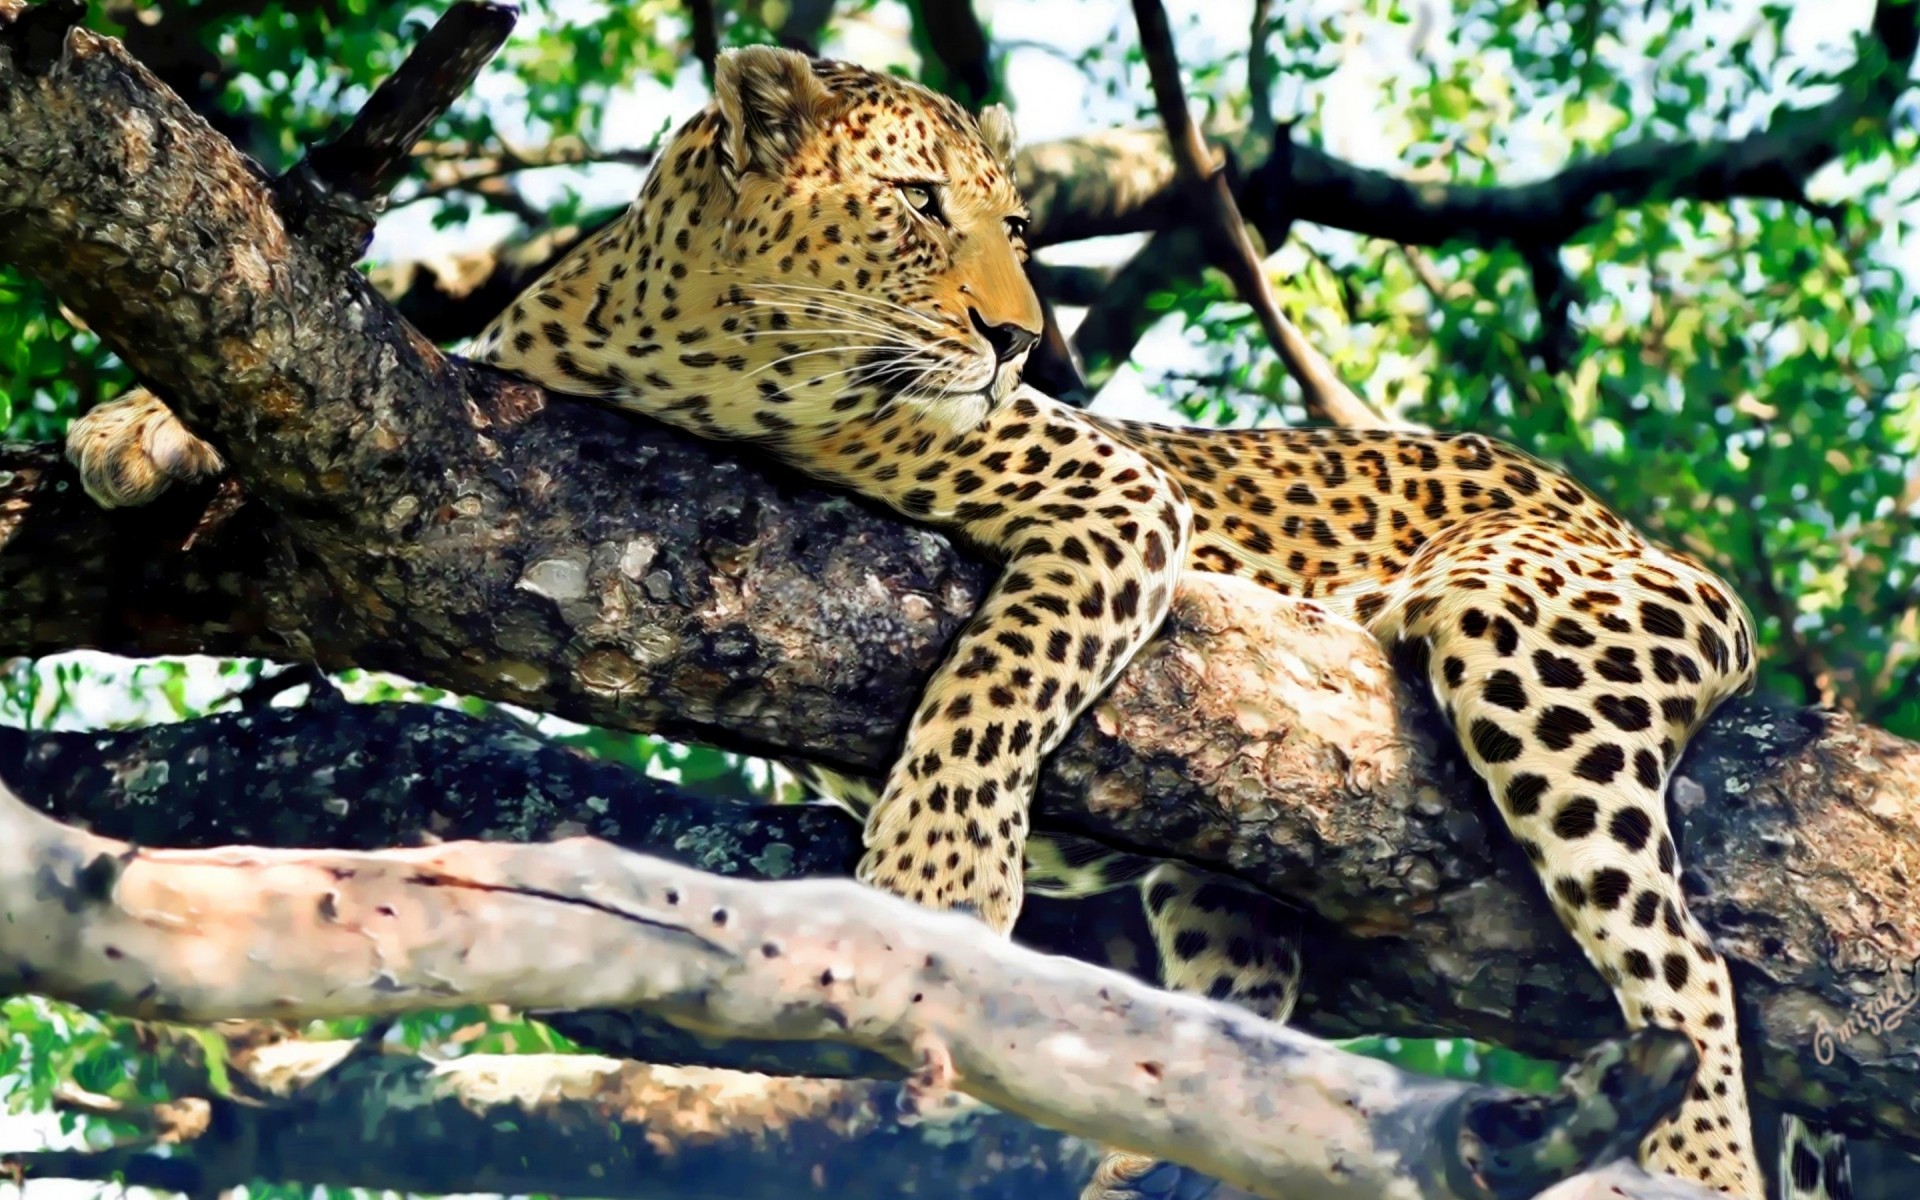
1222 939
1573 675
131 449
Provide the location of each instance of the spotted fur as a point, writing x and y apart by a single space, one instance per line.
827 262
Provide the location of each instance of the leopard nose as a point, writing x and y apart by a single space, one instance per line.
1008 341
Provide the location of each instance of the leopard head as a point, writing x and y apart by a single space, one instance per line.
870 212
821 242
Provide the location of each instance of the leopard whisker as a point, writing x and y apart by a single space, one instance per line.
834 349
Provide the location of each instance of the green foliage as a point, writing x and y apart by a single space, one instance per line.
1462 1059
49 368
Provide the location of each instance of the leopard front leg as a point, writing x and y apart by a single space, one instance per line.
1094 537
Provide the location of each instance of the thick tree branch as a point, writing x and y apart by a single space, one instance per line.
420 516
363 777
190 935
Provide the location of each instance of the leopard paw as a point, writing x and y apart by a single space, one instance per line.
131 449
1124 1176
984 890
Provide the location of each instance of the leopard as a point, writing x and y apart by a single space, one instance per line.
828 265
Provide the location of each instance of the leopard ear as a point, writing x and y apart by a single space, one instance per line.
771 101
996 129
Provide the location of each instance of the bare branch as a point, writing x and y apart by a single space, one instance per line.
1321 390
332 195
190 935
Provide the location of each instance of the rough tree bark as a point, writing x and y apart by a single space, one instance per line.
572 1125
409 513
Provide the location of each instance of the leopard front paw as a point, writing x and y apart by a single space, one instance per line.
934 862
1124 1176
131 449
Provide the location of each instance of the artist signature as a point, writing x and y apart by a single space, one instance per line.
1878 1014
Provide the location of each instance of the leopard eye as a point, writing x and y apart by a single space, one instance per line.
922 199
1017 228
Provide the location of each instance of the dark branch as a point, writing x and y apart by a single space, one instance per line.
805 25
956 57
1260 70
1054 367
706 33
1773 162
1233 252
1116 322
333 195
577 1126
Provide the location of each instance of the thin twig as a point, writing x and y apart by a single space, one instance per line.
458 168
1321 390
1428 273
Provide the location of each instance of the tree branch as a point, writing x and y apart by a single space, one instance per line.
806 24
705 23
573 1125
1116 322
1773 162
187 935
332 195
1321 390
956 57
